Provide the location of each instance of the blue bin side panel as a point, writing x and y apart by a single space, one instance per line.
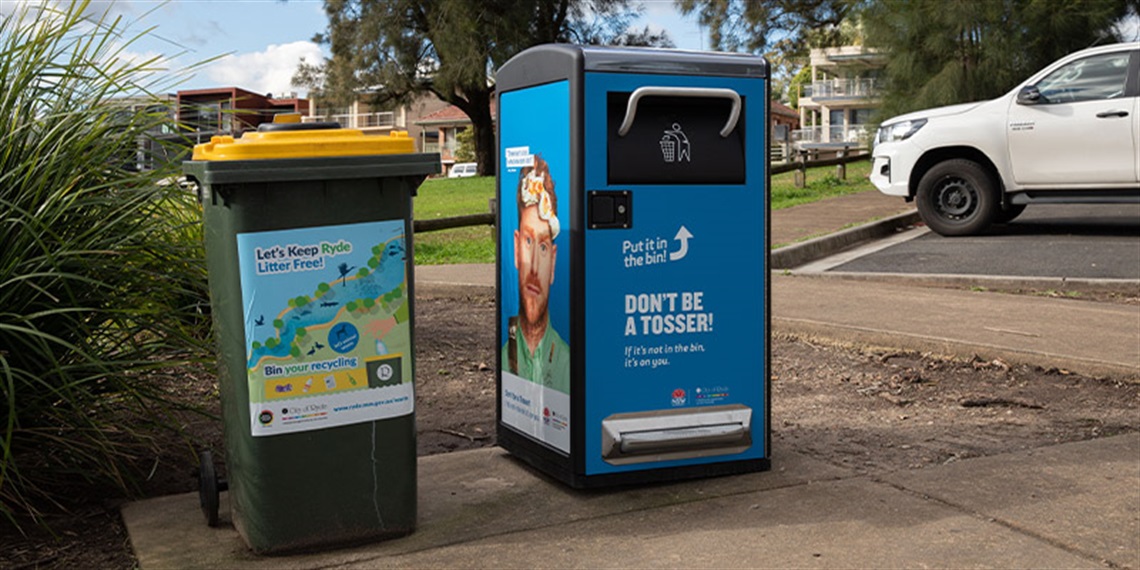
675 305
534 151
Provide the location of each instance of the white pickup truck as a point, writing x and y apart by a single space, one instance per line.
1069 134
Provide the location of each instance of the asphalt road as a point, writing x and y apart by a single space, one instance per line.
1070 241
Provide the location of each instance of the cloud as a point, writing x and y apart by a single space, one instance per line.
153 59
95 11
200 36
39 12
269 71
108 10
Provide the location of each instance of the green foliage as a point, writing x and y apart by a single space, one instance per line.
952 51
801 78
451 47
102 276
784 31
465 150
278 324
749 25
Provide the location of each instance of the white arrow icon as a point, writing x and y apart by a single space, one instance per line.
683 236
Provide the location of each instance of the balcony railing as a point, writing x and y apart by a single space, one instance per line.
381 120
840 89
855 135
447 149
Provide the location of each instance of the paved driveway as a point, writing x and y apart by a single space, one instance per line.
1071 241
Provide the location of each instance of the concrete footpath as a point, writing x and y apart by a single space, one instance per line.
1067 506
1071 505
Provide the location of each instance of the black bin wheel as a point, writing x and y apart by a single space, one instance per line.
210 487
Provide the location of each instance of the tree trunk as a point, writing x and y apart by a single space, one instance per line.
486 153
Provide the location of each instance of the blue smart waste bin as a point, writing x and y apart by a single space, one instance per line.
633 305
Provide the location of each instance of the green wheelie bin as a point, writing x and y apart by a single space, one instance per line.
308 234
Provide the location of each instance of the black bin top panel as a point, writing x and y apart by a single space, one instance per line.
672 62
551 62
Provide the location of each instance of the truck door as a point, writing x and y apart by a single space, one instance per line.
1082 130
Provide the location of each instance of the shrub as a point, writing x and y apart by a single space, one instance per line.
102 279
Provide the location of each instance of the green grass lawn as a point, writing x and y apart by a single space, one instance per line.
447 197
821 183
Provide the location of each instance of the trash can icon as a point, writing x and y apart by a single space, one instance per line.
633 347
668 148
308 231
675 145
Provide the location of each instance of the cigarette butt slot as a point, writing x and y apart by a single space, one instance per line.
676 434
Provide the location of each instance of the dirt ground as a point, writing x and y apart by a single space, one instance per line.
868 409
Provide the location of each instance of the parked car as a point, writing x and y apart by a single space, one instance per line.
462 170
1068 134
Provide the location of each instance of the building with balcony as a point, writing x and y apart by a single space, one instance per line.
230 111
375 119
161 143
836 108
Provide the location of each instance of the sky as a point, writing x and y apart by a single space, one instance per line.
259 43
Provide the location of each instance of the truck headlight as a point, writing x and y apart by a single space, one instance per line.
899 131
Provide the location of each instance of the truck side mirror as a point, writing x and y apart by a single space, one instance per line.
1029 95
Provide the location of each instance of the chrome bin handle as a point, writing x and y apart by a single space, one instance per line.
713 92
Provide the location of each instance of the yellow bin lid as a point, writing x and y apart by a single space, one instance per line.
301 142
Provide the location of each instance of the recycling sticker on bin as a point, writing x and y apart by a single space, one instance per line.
328 337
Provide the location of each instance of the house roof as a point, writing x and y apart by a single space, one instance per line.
449 115
211 92
446 115
779 108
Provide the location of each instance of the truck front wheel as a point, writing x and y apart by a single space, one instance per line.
957 198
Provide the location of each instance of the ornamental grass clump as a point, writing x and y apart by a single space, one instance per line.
102 278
